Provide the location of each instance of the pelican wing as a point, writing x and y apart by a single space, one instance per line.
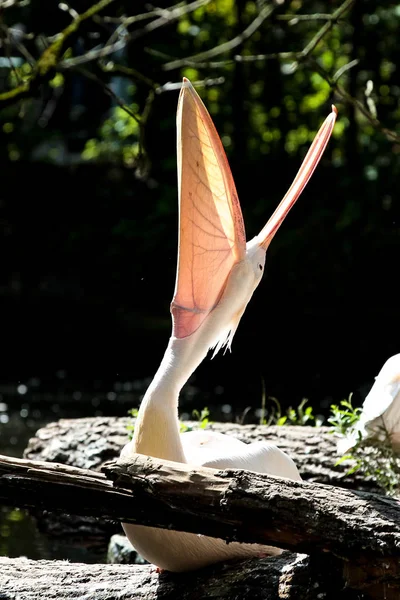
218 451
211 229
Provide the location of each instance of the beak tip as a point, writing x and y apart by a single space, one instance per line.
334 110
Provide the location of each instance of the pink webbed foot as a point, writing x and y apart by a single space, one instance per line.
158 570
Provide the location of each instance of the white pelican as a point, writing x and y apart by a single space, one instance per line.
217 274
380 416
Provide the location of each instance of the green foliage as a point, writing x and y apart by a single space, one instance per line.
344 416
201 417
15 524
133 412
20 73
57 81
300 415
118 139
373 457
377 460
273 416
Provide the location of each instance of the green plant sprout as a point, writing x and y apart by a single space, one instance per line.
373 457
201 417
376 460
301 415
344 417
133 412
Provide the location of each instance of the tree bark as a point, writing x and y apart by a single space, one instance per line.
357 533
89 442
289 576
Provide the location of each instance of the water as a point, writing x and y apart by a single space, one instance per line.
19 531
23 410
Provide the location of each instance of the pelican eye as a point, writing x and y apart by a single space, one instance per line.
260 266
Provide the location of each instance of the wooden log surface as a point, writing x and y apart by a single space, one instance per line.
90 442
360 530
288 577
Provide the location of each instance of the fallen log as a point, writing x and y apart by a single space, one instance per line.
289 576
359 531
90 442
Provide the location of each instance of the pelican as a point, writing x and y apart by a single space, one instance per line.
380 415
217 273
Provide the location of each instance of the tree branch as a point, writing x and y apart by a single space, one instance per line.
349 99
347 4
168 16
198 59
264 13
361 528
45 67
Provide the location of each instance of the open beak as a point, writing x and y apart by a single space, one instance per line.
306 170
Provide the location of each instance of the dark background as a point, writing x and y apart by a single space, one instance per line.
89 217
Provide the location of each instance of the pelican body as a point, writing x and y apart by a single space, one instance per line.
217 274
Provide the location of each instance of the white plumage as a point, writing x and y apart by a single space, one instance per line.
219 451
380 416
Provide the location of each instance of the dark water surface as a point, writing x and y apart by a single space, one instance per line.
19 531
23 410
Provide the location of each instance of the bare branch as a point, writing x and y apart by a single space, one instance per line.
47 63
264 13
110 47
5 37
208 82
24 52
10 3
134 74
312 17
197 61
389 133
109 92
303 54
95 53
166 13
344 69
327 27
346 97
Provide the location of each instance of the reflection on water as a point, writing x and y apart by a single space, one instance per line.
24 408
19 536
